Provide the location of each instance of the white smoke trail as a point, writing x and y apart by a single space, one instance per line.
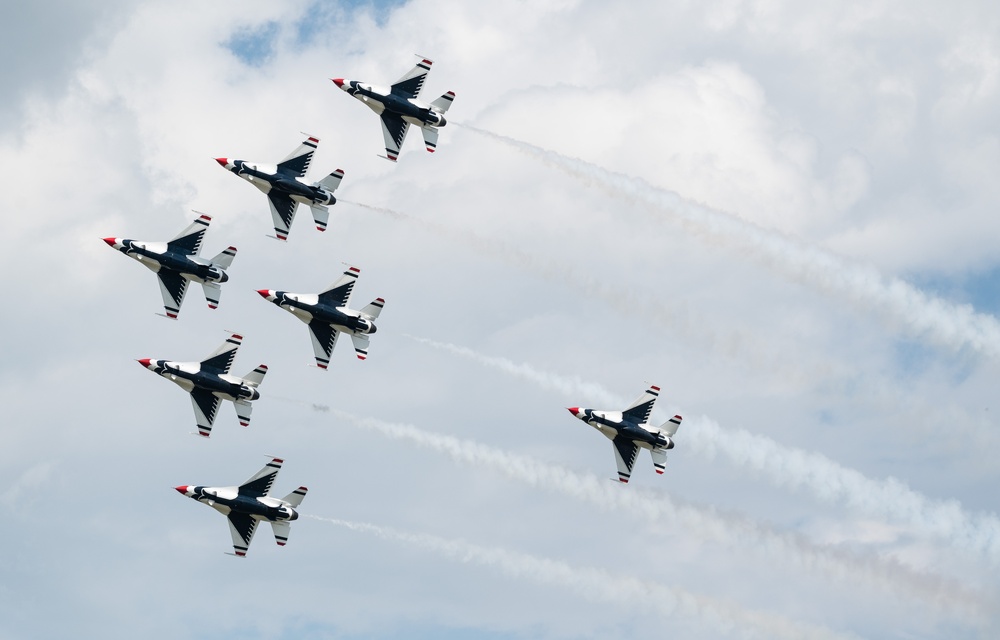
601 586
891 499
731 530
675 316
946 323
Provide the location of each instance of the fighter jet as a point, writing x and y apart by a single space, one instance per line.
399 106
246 505
630 429
209 383
327 315
176 262
286 187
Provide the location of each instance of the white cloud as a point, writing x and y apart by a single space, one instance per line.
864 128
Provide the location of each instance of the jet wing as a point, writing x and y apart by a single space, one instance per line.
260 483
206 406
173 287
625 452
297 162
221 360
394 130
282 213
639 410
338 294
324 339
409 85
188 242
242 527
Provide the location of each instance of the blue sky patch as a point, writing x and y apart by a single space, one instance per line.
254 46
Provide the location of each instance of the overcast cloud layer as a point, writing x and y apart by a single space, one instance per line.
783 215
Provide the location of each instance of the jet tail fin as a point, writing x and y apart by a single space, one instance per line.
255 377
430 138
212 293
321 215
373 308
225 259
332 181
296 497
670 427
444 102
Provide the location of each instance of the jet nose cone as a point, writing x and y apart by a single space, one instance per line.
144 362
264 293
339 82
222 161
110 241
574 410
181 489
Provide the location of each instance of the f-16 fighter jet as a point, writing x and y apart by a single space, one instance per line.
286 187
399 106
630 429
327 315
209 383
246 505
176 262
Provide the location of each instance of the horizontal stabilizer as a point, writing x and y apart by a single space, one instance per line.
212 293
225 259
295 498
360 345
430 138
281 531
243 410
373 308
332 181
321 215
255 377
670 426
442 104
659 459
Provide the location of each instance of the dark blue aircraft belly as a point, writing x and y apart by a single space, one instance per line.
293 187
330 315
252 506
636 433
212 382
404 107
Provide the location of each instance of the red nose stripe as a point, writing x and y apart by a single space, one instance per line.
144 362
574 410
222 161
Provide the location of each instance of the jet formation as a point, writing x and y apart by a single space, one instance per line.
176 263
630 429
209 383
399 106
250 503
328 315
285 186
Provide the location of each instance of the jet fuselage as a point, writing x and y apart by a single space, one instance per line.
412 110
342 318
297 188
612 424
156 256
227 500
188 375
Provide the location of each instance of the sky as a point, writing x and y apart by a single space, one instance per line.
782 214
